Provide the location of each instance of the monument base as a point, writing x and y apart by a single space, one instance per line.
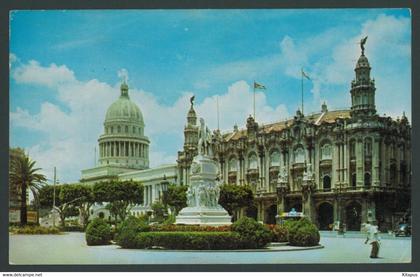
209 216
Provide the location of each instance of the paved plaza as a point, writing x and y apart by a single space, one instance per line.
71 248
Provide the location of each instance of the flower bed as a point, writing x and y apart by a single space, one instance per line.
189 228
279 233
34 230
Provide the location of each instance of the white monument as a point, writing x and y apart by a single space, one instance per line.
203 192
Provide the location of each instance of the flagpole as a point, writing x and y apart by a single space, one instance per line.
217 101
301 77
254 101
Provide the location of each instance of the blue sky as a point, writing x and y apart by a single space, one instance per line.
64 71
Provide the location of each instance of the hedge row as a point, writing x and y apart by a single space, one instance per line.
246 233
186 240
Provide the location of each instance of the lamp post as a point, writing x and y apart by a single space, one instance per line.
55 179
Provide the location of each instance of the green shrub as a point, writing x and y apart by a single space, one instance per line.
302 233
279 233
98 232
187 240
35 230
126 232
252 233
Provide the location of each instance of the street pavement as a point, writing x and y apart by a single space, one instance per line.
71 248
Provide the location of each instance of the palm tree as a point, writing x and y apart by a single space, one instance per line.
23 176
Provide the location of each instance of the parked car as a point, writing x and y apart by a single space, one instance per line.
404 229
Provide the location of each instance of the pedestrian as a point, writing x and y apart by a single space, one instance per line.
372 236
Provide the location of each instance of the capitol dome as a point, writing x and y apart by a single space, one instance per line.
124 108
123 143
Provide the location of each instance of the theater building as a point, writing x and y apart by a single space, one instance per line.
349 165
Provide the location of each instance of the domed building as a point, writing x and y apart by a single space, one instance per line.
124 155
123 142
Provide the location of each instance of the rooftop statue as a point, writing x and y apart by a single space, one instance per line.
362 44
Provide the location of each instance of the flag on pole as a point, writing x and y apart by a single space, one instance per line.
305 75
258 86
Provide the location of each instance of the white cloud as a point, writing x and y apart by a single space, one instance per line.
330 58
235 106
34 73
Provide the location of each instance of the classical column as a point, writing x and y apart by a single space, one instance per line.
346 163
375 162
398 164
334 172
359 162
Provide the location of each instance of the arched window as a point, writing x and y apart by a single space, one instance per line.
326 152
112 130
126 129
119 129
367 179
252 161
275 158
326 183
232 164
134 130
299 154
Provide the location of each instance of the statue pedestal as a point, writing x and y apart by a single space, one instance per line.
203 196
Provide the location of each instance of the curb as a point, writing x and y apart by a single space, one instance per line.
273 249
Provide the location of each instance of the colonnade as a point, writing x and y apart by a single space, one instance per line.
123 149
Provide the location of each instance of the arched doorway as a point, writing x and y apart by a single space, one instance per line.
271 213
353 216
325 216
326 183
252 212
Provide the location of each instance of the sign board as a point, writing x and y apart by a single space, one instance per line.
32 216
14 216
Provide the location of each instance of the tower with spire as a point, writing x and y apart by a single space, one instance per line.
190 149
362 88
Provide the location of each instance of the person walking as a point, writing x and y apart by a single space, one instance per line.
372 236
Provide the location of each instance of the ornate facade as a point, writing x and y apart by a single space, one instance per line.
349 165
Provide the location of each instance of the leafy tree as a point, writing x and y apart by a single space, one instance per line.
80 196
121 195
158 211
46 196
234 197
23 175
64 203
176 197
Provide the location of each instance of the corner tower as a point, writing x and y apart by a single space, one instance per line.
123 143
362 88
